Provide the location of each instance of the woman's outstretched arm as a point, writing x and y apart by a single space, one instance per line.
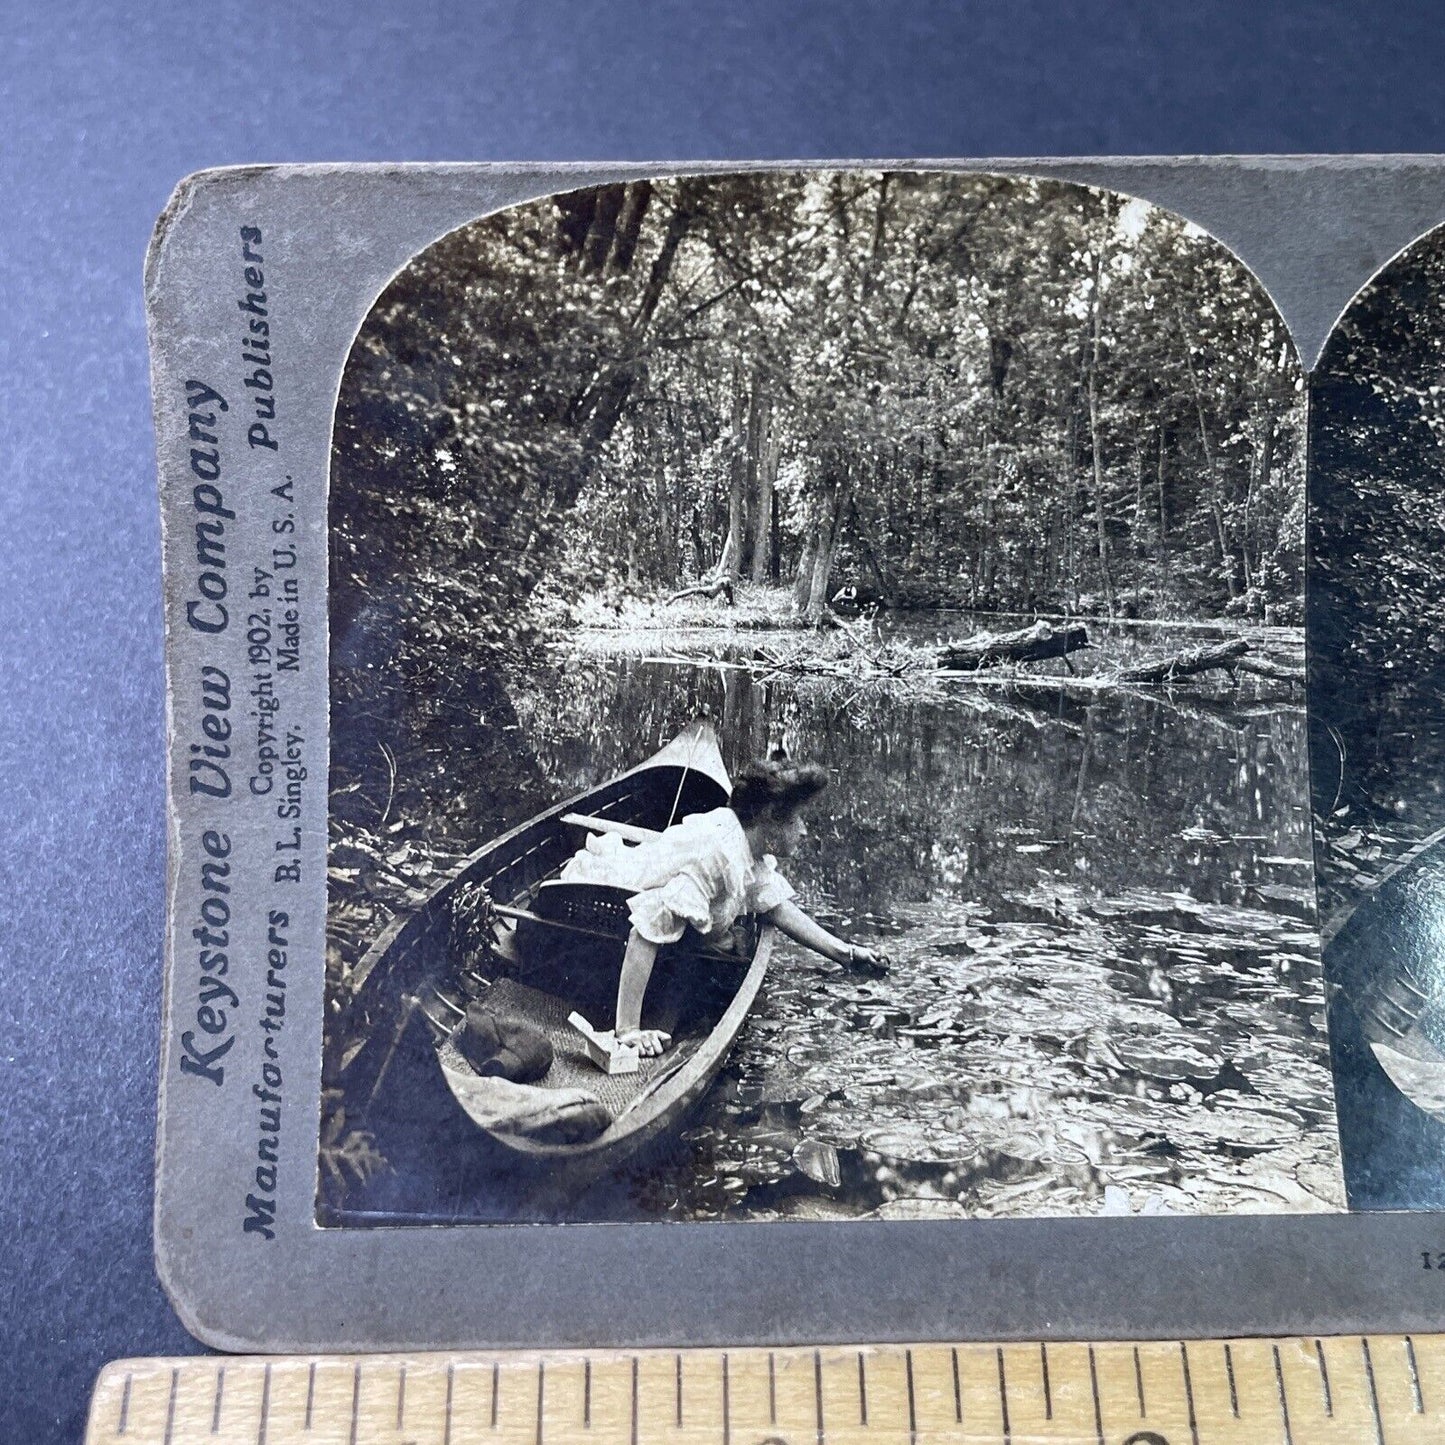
811 934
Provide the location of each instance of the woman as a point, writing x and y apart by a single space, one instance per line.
706 871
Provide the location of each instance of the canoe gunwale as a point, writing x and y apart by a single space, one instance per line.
653 1109
702 756
658 1106
1342 920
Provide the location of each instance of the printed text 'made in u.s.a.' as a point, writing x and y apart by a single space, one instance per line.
242 595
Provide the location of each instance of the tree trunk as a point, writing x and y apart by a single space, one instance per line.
803 579
821 571
1262 667
932 462
1094 438
672 487
719 585
699 550
666 531
913 508
1245 567
731 561
828 530
1068 494
728 562
598 407
1266 471
604 228
1030 644
575 210
1216 506
764 482
775 558
893 531
875 253
985 530
1163 512
1186 664
629 226
1259 473
753 458
1071 566
1051 548
1140 521
835 541
1221 543
886 589
1098 472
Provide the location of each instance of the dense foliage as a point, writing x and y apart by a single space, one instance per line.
936 389
1379 476
1377 521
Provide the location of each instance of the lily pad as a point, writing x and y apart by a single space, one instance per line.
818 1161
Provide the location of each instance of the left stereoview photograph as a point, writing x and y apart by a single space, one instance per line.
816 717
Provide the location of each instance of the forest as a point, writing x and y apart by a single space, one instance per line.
917 390
1376 610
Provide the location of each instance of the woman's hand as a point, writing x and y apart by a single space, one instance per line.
648 1042
871 961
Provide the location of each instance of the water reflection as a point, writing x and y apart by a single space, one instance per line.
1106 994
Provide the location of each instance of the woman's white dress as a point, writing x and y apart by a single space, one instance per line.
699 872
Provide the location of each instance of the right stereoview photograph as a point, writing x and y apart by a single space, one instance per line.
1376 630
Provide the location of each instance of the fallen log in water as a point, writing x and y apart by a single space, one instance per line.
1029 644
1187 664
1261 667
709 587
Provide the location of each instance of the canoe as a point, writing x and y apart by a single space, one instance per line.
1385 983
412 987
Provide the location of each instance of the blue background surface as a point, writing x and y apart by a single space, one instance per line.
103 112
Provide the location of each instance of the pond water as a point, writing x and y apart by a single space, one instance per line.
1105 995
1379 780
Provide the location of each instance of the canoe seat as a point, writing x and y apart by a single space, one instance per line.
628 832
592 907
571 941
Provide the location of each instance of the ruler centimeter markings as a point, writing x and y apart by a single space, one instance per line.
1379 1390
1374 1394
1415 1390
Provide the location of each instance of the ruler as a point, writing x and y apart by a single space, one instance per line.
1372 1390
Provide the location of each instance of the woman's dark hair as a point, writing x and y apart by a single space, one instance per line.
776 788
